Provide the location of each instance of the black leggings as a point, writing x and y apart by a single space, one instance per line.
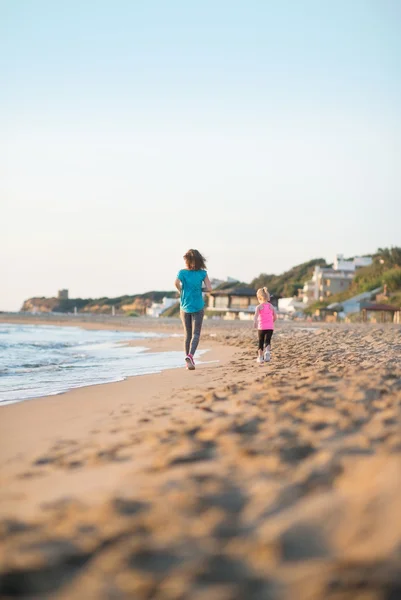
265 337
192 339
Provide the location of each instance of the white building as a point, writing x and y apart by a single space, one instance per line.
290 305
327 281
158 308
340 264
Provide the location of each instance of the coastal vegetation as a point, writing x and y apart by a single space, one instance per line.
287 284
131 305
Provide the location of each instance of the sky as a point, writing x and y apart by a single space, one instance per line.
262 133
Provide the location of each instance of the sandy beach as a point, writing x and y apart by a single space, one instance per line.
232 482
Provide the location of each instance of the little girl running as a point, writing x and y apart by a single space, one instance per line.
189 283
265 315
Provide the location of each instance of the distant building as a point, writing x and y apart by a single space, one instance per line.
353 305
340 264
290 305
233 303
380 313
62 295
327 281
158 308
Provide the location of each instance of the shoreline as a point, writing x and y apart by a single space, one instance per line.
79 412
91 321
169 343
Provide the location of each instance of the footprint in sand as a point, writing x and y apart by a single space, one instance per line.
31 474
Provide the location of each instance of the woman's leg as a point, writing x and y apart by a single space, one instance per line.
186 319
197 320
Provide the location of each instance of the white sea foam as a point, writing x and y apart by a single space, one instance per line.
39 360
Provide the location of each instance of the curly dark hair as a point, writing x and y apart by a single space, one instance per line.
194 260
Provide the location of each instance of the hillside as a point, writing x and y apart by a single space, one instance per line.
287 284
385 270
128 304
172 311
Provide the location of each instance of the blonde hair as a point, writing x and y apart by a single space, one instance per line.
263 295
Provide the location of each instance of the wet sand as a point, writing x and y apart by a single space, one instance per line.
235 482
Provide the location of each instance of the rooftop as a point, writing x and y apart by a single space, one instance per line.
380 307
234 291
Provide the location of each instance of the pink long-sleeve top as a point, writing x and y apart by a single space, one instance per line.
264 316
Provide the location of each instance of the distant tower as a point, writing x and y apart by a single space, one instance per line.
63 294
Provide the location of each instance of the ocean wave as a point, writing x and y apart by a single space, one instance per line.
36 369
38 361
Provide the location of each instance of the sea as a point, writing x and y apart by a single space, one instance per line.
40 360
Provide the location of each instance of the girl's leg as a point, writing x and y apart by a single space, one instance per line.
269 335
186 319
261 337
197 320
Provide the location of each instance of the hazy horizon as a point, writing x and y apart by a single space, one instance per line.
264 135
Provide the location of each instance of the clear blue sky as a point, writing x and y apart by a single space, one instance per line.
262 133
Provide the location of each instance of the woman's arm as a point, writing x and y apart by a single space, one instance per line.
177 284
208 285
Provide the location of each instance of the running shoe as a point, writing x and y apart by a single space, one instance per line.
267 355
260 360
190 362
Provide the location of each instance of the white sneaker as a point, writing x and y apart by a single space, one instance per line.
260 360
190 362
267 355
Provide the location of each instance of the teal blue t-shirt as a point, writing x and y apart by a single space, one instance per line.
191 290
